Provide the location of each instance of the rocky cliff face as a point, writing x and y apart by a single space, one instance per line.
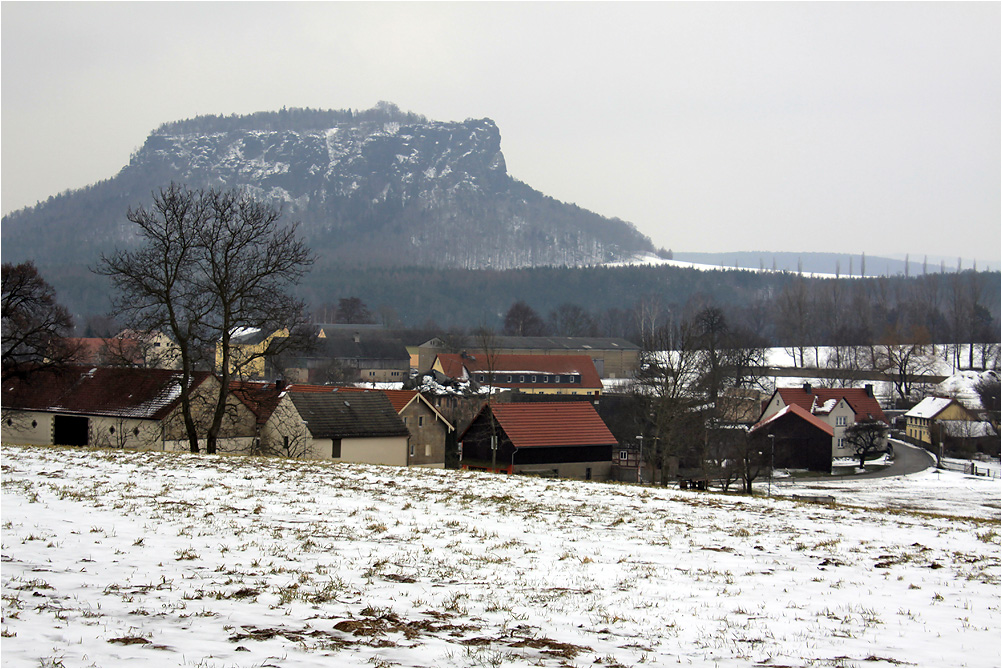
375 187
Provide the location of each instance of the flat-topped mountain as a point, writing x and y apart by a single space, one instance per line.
378 187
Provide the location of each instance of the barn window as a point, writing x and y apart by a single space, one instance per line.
335 448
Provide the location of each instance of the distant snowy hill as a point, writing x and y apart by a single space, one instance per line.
829 264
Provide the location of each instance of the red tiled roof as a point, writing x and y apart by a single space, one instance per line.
800 412
125 392
261 398
865 406
541 424
503 365
94 350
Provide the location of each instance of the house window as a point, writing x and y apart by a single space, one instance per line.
622 455
509 378
521 378
335 448
111 430
420 421
135 431
412 450
533 378
405 421
841 443
840 421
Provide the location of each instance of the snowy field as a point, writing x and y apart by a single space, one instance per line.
114 558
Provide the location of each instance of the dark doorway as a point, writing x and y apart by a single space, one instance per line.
69 431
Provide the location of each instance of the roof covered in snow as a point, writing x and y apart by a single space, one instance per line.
930 407
824 400
120 392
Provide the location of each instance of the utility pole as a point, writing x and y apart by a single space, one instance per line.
772 460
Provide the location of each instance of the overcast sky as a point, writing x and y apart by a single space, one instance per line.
849 127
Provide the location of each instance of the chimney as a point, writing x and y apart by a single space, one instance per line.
869 389
807 387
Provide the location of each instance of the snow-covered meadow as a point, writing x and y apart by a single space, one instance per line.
115 558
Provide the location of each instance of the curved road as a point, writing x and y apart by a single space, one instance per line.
908 459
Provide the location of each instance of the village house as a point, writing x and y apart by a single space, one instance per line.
794 438
247 349
612 357
128 348
943 420
118 407
564 439
531 374
429 430
351 427
839 408
346 354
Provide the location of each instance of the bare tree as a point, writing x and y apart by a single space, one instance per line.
248 262
571 320
903 356
35 326
154 283
794 305
352 310
754 460
211 262
521 320
866 438
666 388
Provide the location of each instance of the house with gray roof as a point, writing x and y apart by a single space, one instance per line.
351 427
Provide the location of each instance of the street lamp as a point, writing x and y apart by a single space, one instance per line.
772 465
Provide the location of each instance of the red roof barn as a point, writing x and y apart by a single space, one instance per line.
566 439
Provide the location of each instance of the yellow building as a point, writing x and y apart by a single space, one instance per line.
933 410
247 349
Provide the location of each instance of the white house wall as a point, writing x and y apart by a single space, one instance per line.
27 427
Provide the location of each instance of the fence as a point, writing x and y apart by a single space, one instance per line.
971 468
